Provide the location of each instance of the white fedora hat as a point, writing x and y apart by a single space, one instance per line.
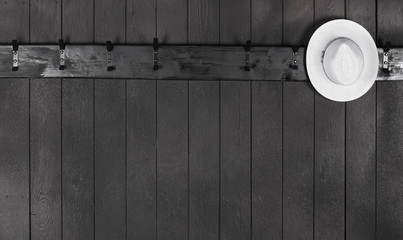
342 60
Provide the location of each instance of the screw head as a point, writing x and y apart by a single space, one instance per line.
386 54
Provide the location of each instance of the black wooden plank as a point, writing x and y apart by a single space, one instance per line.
172 21
298 17
389 160
389 19
172 160
364 13
14 22
45 124
110 160
267 22
235 21
45 21
329 169
78 159
141 160
204 159
360 167
204 21
235 160
141 21
110 22
298 150
266 160
328 10
78 21
361 143
14 160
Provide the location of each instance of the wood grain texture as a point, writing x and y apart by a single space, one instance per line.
298 167
14 22
329 168
110 160
78 21
235 21
141 21
266 160
389 160
298 17
45 120
172 160
172 21
14 160
235 160
176 62
110 21
389 18
45 21
327 10
363 12
360 167
204 21
204 160
78 158
267 22
141 160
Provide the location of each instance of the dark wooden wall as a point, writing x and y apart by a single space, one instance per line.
131 159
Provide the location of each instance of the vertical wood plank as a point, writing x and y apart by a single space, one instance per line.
110 160
204 159
46 184
298 150
78 21
78 159
110 22
389 13
46 21
267 22
14 22
329 168
389 160
235 21
172 160
172 21
266 160
327 10
141 160
141 21
298 17
360 167
204 21
235 160
361 143
364 13
14 160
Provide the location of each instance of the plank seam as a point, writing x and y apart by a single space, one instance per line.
61 158
345 170
314 164
188 167
219 162
251 157
282 159
126 157
376 161
156 159
29 158
93 136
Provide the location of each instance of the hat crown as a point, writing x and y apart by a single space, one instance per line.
343 61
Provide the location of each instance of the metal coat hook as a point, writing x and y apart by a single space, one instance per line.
109 48
15 55
62 59
247 58
155 58
385 61
294 63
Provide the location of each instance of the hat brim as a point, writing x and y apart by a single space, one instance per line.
318 43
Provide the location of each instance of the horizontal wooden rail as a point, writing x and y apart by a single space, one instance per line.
175 62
